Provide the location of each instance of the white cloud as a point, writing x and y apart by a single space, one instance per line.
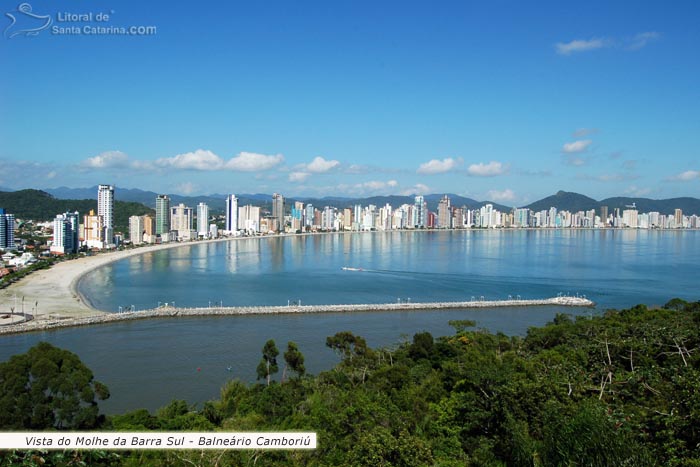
298 177
252 162
579 45
576 146
51 174
491 169
392 183
436 166
321 165
417 189
501 196
635 42
198 160
642 39
687 175
107 159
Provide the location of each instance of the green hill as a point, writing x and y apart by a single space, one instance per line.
40 206
565 200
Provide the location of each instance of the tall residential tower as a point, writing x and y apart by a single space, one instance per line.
105 208
162 214
231 214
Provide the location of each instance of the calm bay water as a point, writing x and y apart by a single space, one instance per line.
149 363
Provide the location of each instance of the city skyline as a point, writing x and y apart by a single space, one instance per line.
505 103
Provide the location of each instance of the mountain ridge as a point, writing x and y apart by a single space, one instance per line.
561 200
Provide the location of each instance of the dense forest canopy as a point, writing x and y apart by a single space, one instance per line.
617 389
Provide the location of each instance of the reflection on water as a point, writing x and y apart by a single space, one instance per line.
612 267
160 357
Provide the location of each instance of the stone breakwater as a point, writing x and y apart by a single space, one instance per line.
48 323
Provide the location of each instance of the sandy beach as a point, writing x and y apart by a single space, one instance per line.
52 293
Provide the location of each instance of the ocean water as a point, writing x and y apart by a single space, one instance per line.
148 363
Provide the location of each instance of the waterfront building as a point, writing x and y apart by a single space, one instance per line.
420 212
93 230
65 234
202 220
444 217
105 208
278 210
232 223
181 222
347 219
297 216
162 215
309 216
630 218
604 215
7 230
521 217
136 229
249 219
678 219
149 229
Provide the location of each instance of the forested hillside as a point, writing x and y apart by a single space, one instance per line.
41 206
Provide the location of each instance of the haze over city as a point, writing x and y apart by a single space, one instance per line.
500 102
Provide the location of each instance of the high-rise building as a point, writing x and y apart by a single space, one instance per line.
297 216
7 230
630 218
232 223
420 212
149 225
105 208
93 230
202 220
309 215
604 216
278 210
136 229
444 218
65 233
249 218
162 214
181 221
678 219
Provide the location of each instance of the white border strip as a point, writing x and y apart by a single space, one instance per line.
156 440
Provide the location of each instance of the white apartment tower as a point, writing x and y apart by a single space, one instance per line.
65 233
232 223
105 208
136 229
202 220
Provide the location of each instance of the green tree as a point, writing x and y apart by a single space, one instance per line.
48 387
347 345
268 363
294 359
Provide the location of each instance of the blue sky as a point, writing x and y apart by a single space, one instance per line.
505 101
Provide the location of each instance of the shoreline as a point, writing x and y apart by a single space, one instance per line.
171 312
54 293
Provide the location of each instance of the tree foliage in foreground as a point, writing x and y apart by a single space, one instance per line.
48 387
619 389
